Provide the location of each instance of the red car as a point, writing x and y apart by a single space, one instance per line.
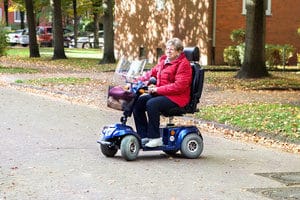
45 37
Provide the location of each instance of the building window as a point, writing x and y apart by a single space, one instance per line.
268 10
17 16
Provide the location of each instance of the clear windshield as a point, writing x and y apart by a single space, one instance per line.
127 71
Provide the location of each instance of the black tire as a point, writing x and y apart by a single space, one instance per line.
86 45
108 151
171 152
130 147
192 146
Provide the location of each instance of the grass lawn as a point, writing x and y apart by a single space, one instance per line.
60 81
283 121
79 59
15 70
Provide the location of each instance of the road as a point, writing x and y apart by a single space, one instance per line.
48 151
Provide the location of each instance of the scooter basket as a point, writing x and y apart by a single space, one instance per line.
119 98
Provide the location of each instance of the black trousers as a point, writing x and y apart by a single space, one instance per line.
153 105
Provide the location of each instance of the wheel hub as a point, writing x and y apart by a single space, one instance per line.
132 147
192 145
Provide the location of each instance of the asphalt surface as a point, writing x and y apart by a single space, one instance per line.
48 150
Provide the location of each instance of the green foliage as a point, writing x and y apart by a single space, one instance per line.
278 54
231 56
90 27
3 40
268 118
238 36
275 54
234 55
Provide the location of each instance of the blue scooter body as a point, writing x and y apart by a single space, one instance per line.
172 136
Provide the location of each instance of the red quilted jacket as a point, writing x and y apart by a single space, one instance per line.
173 79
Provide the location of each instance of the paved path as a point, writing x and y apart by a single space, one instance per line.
48 151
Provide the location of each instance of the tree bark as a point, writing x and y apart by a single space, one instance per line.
22 16
108 18
75 21
6 12
96 11
96 30
58 38
254 60
33 45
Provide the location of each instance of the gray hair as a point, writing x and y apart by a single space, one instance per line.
176 42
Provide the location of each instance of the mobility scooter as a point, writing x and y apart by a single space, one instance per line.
186 139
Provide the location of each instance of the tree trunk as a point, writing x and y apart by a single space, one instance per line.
254 60
108 56
58 38
33 45
75 21
96 30
6 12
96 11
22 16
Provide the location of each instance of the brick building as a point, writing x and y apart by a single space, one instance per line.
142 27
13 15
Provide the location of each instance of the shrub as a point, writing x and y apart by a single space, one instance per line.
275 54
234 55
278 54
231 56
238 36
3 40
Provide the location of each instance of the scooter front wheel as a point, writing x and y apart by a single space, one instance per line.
108 151
130 147
192 146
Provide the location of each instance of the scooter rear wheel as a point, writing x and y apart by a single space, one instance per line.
192 146
130 147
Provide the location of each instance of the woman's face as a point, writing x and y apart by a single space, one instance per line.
171 52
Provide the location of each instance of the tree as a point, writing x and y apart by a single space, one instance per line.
74 3
33 45
6 11
96 11
58 38
254 60
108 56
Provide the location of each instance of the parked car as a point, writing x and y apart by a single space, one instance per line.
45 36
24 39
14 38
88 41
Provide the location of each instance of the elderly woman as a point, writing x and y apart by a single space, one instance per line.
174 75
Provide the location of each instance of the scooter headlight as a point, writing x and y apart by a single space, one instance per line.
108 130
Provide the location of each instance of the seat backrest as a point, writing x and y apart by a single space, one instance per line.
196 88
193 55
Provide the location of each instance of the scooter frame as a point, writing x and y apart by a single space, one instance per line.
186 139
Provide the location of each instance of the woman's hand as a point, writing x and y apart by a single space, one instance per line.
152 89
